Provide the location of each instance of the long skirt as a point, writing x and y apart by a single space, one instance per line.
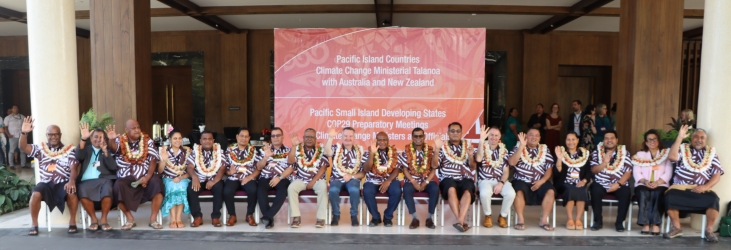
687 201
175 194
95 189
133 197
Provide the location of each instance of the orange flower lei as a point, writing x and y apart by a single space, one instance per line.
215 162
577 163
423 169
617 165
280 156
537 161
502 152
177 169
127 155
310 166
705 162
248 159
338 159
57 154
390 164
455 159
642 162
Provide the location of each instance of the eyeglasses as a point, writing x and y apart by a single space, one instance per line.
455 131
54 135
418 136
277 135
652 140
310 137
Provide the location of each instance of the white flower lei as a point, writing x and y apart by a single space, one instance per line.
706 162
338 159
455 159
215 163
642 162
621 152
536 161
502 152
577 163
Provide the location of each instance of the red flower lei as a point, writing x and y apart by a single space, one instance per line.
391 152
133 158
422 169
300 154
235 158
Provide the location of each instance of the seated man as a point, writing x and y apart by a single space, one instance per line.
137 181
381 170
57 166
612 168
310 164
533 168
456 167
274 175
206 166
242 158
98 172
415 162
348 160
493 173
698 170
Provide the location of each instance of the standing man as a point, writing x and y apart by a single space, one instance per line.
206 166
493 175
242 159
310 163
97 175
348 169
538 121
13 124
275 173
533 168
57 170
415 162
383 171
455 160
137 181
575 118
612 168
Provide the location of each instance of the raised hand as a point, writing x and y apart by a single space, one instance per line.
295 140
483 133
28 125
267 150
438 143
683 132
332 133
521 138
374 146
606 159
111 131
164 154
558 151
104 147
85 133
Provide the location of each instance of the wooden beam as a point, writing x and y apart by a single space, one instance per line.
577 10
21 17
693 33
188 8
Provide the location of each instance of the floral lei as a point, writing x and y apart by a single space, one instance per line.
456 159
338 159
178 169
642 162
617 165
309 166
502 152
422 169
390 164
128 156
247 160
536 161
575 163
280 157
55 155
215 162
705 163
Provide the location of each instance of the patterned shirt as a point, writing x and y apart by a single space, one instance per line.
605 178
207 158
457 172
62 165
245 170
405 164
302 173
177 159
348 161
572 174
486 172
525 172
125 169
275 167
383 157
684 174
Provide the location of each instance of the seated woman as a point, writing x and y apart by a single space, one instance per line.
572 175
172 164
652 172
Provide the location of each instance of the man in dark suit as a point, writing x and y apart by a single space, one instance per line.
574 121
96 176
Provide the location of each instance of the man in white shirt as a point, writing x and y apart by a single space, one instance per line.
13 123
575 118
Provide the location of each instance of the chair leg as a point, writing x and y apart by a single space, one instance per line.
360 212
592 218
48 218
83 218
703 229
585 214
629 219
256 214
667 226
554 214
474 213
441 201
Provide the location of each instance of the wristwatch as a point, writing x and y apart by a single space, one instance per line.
501 181
427 182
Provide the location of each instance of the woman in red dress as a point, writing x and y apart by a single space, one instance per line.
553 127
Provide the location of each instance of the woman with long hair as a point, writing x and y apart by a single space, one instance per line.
173 165
652 172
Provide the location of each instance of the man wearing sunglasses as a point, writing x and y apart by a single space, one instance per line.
275 172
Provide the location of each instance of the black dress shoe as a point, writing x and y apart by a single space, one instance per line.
620 228
270 225
354 221
335 220
265 221
596 227
387 223
430 223
374 222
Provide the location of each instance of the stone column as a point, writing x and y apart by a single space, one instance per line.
53 76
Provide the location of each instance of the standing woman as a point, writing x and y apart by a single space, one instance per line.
652 172
572 175
601 122
172 164
553 127
588 129
512 129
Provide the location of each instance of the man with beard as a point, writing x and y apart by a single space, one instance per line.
348 161
310 162
206 166
612 168
455 160
383 171
415 162
98 172
533 168
274 175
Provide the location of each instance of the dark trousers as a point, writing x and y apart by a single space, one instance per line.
229 191
432 189
650 205
267 211
195 204
598 192
394 197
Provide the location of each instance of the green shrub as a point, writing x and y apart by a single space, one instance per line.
14 192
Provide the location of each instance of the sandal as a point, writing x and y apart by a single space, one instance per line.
106 227
73 229
180 224
173 224
94 227
519 226
155 225
546 227
33 231
129 225
466 226
459 227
